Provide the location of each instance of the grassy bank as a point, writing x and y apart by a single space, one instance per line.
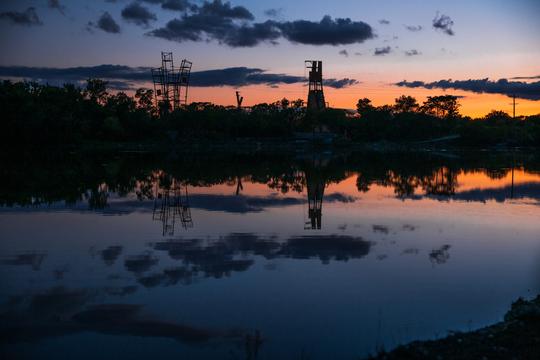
517 337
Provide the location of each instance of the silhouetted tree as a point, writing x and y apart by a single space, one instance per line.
441 106
364 106
405 104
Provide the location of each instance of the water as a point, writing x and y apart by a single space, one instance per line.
312 256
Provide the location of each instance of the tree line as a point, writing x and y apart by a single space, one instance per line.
43 115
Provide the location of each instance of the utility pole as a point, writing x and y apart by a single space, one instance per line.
514 105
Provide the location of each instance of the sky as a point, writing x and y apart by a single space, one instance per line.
379 49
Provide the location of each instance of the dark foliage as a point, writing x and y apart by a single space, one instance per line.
35 115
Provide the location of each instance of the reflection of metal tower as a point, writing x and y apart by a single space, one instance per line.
316 94
171 204
315 190
171 84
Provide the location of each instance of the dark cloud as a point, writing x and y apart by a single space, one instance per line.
120 77
224 10
344 53
219 21
444 23
384 22
523 90
105 23
201 27
382 51
55 4
138 14
413 28
412 52
340 83
179 5
328 31
27 18
274 13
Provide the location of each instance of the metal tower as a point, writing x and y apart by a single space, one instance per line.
316 95
171 84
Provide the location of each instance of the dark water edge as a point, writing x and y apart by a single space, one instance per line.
517 337
286 145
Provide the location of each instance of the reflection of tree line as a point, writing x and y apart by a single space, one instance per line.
73 178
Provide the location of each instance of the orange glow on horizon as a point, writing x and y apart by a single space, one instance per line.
472 104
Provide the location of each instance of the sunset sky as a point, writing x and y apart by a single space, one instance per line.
367 47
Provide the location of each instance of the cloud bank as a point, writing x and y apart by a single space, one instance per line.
121 77
522 90
234 26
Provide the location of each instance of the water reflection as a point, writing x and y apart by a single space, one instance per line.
171 203
247 257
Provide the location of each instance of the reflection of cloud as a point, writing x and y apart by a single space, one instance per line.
169 277
32 259
326 248
120 291
113 319
110 254
140 264
529 190
58 302
218 258
339 197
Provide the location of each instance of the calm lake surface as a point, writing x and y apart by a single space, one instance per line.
306 256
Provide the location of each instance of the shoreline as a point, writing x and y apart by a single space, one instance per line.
516 337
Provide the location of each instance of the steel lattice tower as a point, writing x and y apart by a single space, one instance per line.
171 84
